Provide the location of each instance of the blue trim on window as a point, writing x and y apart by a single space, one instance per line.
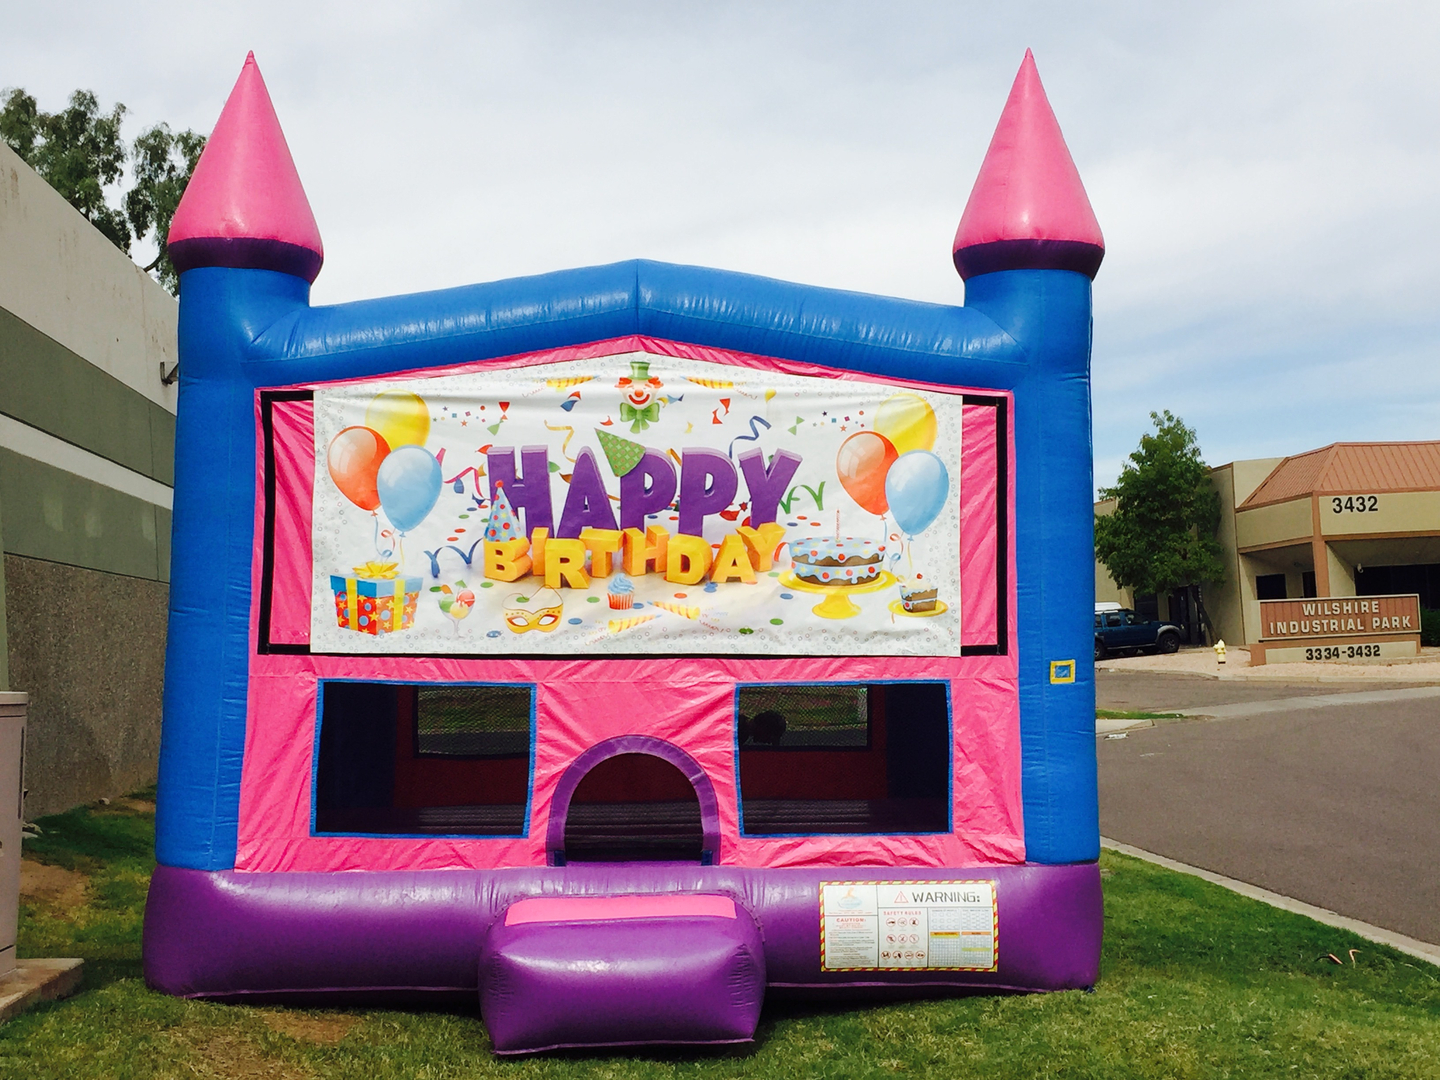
949 830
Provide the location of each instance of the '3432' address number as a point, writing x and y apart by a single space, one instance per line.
1358 504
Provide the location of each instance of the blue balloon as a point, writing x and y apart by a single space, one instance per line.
916 488
409 484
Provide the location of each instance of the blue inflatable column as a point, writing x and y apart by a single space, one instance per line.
1048 313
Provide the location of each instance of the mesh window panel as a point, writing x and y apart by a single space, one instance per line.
804 717
473 721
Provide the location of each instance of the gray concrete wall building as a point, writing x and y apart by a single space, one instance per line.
87 435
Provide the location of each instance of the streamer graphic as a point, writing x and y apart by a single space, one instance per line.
756 422
564 446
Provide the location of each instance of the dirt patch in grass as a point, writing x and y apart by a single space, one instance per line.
53 886
139 806
325 1028
231 1055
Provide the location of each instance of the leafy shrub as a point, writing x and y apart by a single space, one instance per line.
1429 626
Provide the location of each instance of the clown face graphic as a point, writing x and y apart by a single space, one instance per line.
639 408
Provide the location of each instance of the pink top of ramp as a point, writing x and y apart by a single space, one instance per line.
1028 209
245 206
585 908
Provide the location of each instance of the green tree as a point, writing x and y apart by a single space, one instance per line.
1161 536
80 152
163 165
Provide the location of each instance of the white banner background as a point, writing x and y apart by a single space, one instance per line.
695 404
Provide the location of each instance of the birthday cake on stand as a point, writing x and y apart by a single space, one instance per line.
837 560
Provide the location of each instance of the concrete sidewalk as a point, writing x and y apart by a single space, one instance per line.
1202 662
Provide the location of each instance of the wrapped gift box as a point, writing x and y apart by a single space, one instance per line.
375 604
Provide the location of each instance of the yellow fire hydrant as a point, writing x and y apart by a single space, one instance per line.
1220 651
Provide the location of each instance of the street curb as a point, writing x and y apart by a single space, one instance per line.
1421 950
1244 710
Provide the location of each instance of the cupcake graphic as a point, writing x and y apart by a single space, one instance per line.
621 592
918 595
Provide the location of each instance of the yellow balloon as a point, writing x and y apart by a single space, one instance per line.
401 418
907 421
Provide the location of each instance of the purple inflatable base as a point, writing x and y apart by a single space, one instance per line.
394 935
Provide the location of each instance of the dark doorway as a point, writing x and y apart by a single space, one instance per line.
1270 587
634 808
1183 615
1391 580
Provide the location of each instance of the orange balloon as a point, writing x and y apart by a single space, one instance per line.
354 459
862 464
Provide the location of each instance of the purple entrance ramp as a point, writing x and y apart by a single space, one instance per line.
621 970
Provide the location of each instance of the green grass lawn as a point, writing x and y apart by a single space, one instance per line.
1196 982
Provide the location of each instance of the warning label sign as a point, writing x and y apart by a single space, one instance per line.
908 926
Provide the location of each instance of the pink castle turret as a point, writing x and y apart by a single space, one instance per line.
1028 209
245 207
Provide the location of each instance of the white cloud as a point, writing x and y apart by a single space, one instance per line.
1265 175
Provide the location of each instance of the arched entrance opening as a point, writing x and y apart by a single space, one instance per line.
633 799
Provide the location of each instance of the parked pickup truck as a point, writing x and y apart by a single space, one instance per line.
1119 630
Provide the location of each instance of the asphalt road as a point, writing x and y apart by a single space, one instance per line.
1336 804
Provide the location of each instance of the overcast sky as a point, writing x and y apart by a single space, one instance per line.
1267 175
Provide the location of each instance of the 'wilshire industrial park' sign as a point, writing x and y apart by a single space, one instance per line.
1339 617
1346 628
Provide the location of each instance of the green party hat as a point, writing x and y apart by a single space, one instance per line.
622 454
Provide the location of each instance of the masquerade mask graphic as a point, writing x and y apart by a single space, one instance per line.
539 612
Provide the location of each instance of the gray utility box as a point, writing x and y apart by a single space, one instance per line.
12 815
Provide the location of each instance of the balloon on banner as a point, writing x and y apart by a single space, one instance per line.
862 462
908 421
401 418
917 486
354 459
409 484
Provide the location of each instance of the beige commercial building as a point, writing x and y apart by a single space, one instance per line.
1349 519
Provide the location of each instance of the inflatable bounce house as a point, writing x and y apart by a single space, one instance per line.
620 643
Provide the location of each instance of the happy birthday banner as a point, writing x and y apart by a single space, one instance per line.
636 504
